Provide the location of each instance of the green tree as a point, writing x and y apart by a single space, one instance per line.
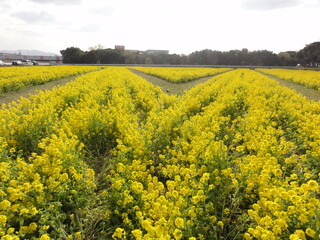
288 58
149 60
96 53
310 54
72 55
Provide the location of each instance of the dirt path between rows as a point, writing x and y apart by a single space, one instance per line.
172 88
309 93
32 90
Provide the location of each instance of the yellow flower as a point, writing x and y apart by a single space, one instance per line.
24 211
34 211
220 224
45 237
226 211
91 174
195 199
235 182
12 150
118 233
291 209
300 234
10 230
294 176
33 226
277 172
77 235
240 148
313 185
137 233
213 219
179 222
3 220
177 234
294 237
206 176
45 227
117 184
303 218
247 236
5 204
310 232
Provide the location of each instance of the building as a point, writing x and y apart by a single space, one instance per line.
9 57
153 51
119 47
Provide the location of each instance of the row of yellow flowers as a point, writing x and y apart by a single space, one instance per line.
112 156
181 75
305 77
15 78
47 143
237 158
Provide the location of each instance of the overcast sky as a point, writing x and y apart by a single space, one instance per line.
180 26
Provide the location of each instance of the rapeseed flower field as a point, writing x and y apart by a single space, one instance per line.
304 77
180 75
15 78
111 156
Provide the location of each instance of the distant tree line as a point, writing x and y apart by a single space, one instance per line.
308 56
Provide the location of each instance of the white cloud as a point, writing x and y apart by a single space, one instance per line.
89 28
20 30
179 26
33 17
58 2
266 5
4 7
103 10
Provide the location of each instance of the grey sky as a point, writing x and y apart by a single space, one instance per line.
58 2
180 26
32 17
270 4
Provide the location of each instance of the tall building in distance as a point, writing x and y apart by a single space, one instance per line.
119 47
149 51
153 51
9 57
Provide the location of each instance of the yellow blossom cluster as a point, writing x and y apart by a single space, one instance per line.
110 156
15 78
179 74
305 77
49 141
218 153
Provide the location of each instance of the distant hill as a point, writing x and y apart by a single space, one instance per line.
29 52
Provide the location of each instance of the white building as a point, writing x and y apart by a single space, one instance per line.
153 51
